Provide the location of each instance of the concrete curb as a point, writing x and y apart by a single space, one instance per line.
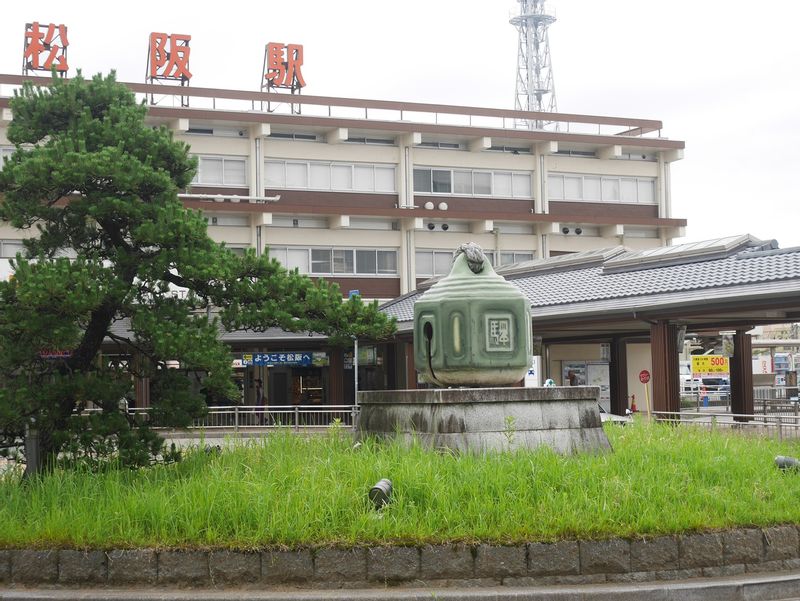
664 558
764 587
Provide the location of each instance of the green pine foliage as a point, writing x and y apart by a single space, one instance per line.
95 190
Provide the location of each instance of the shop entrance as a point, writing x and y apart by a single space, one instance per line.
279 389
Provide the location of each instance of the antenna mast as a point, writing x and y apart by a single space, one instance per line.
535 87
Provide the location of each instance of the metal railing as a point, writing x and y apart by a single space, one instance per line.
385 111
254 417
773 393
777 425
706 396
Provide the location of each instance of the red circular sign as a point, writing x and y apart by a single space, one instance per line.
644 376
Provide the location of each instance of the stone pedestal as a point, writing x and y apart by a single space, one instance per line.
566 419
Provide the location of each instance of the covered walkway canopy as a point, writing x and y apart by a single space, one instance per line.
616 295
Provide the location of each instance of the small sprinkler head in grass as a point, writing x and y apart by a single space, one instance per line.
785 463
381 493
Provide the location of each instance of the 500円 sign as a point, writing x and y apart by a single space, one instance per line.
709 365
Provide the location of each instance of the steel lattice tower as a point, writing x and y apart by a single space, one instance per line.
535 86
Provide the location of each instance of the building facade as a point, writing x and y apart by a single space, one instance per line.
375 195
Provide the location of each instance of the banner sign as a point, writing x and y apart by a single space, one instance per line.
54 354
298 359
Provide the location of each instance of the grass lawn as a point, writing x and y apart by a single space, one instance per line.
291 491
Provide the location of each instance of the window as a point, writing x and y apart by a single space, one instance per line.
502 184
320 176
611 188
573 187
442 262
337 261
312 175
433 262
646 190
321 260
507 257
366 261
601 188
384 179
342 261
466 182
10 248
555 187
297 258
441 181
383 141
387 262
221 171
462 182
341 177
591 188
296 175
275 174
5 152
482 182
422 180
363 178
294 136
441 145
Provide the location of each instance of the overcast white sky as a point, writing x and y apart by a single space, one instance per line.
724 76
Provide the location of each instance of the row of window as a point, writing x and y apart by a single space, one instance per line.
468 182
601 188
337 261
360 177
368 261
436 262
348 177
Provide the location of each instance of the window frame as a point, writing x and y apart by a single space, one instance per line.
283 250
196 181
558 181
418 175
352 167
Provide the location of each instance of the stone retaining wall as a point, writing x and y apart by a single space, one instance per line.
567 562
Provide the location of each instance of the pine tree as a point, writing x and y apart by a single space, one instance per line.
96 189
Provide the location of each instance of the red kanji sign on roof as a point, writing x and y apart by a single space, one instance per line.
45 48
282 64
168 57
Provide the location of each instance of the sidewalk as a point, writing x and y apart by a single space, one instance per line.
764 587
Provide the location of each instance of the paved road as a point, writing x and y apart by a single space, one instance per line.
783 586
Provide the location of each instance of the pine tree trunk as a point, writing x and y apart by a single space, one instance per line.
39 451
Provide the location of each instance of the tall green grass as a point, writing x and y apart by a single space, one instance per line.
291 491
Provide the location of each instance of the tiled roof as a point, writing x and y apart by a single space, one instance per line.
745 265
122 328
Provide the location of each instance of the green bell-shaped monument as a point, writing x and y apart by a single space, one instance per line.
472 328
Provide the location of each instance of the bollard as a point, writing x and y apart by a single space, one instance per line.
784 462
380 493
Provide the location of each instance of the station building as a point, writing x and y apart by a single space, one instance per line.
376 195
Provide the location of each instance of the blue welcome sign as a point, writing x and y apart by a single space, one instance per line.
299 359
